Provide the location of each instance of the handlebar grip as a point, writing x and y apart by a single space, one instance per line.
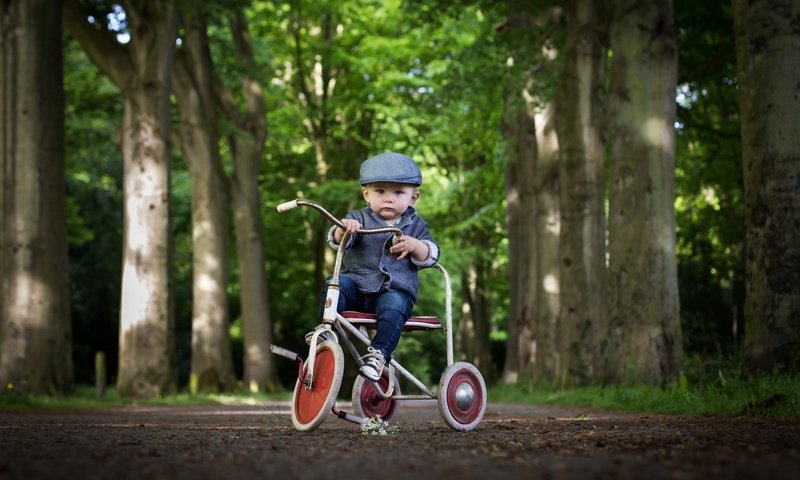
283 207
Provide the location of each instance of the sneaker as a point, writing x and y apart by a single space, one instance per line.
373 365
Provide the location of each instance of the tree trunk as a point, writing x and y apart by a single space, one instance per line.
142 71
212 362
35 329
247 147
645 337
519 129
475 324
767 45
546 359
581 318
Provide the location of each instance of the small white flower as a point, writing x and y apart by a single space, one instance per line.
374 426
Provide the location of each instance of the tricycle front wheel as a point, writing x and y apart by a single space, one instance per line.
310 407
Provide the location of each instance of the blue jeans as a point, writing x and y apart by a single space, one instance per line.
392 308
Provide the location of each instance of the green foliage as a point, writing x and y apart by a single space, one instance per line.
709 209
770 396
94 189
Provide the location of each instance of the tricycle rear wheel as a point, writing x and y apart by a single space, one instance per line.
462 396
367 402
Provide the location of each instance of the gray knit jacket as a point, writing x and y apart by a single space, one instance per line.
368 261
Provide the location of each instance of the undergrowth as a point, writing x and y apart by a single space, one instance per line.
776 395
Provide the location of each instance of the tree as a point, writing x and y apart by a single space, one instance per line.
519 129
142 71
212 363
644 340
532 197
35 330
246 140
767 43
545 355
578 117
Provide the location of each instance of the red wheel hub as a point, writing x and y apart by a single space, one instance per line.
372 403
464 397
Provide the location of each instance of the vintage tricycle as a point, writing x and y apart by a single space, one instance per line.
462 391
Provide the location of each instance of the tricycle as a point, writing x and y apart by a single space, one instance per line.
461 393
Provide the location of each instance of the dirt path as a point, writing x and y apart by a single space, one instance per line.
513 441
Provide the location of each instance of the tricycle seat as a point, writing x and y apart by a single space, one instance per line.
369 320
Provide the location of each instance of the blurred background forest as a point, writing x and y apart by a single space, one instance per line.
290 97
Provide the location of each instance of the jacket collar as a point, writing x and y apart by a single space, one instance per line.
405 219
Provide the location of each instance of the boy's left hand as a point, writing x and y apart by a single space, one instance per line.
410 246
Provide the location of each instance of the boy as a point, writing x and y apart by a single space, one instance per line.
380 276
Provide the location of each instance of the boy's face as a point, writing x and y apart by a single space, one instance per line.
390 200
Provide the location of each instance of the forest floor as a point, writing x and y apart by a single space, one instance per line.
512 441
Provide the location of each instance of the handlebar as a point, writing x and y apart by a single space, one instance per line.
286 206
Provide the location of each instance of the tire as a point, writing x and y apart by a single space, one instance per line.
462 396
310 407
367 402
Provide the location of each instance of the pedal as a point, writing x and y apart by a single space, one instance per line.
280 351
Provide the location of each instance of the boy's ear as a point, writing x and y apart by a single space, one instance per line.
415 196
364 191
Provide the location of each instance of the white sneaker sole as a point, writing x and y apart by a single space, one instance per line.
369 374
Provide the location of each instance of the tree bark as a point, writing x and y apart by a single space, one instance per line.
142 71
212 362
519 129
767 46
35 329
247 148
582 319
546 358
645 343
533 218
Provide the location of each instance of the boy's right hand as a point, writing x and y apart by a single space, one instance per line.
352 226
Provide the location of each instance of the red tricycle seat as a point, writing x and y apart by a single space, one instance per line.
369 320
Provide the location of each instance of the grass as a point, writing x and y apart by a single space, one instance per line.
769 396
85 396
775 395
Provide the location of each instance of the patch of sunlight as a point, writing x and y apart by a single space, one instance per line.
134 301
551 283
711 198
656 131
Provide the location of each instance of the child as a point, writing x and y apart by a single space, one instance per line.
380 276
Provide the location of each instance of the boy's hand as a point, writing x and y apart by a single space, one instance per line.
352 226
410 246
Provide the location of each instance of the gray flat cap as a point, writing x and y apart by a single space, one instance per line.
390 167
